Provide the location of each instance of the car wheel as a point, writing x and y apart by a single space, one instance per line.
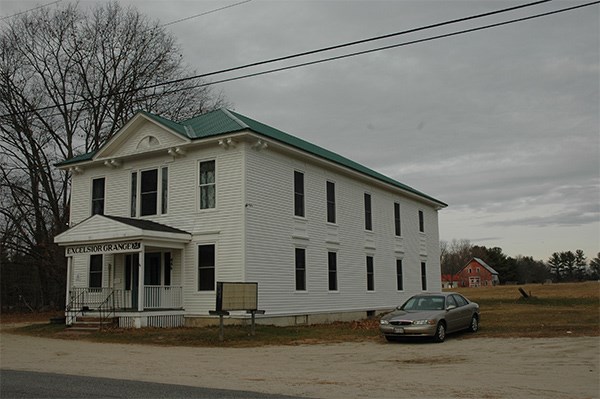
440 332
474 326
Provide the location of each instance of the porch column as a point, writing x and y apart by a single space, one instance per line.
69 273
141 280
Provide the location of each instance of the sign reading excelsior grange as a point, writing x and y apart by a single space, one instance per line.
109 247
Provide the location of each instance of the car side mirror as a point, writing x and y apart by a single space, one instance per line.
450 307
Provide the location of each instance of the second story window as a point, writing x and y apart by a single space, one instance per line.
421 222
397 227
208 185
149 192
98 196
330 202
368 216
145 188
298 193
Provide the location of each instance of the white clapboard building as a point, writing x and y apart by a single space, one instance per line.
164 210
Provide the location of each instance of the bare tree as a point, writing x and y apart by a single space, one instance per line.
454 255
68 80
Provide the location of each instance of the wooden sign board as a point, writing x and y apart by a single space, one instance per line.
237 296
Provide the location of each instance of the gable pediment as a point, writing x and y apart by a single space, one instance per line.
140 135
100 228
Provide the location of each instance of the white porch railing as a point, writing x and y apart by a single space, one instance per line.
155 297
162 297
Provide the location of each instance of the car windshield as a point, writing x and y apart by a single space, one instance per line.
424 303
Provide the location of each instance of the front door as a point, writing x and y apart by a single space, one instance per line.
132 276
152 270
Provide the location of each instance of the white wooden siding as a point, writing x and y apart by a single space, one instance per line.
273 233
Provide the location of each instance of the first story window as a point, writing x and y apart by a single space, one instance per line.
423 276
208 185
332 270
96 262
98 188
370 274
300 266
206 267
145 188
399 277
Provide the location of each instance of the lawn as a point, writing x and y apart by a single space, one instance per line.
554 310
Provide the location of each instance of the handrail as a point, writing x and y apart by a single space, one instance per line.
75 300
106 312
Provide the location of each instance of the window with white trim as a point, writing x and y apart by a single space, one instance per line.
96 262
298 193
149 192
368 213
98 190
207 184
370 274
332 270
397 226
206 267
330 202
399 275
300 261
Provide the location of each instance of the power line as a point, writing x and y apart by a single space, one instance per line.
31 9
339 57
204 13
332 58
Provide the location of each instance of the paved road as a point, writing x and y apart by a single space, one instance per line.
29 384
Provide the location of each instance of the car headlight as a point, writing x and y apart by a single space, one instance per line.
384 322
423 322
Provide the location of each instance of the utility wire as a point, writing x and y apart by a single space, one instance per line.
31 9
461 32
332 58
204 13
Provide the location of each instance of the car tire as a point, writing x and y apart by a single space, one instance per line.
440 332
474 326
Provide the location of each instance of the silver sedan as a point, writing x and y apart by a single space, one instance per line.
431 315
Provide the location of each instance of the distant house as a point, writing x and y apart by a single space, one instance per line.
477 273
449 281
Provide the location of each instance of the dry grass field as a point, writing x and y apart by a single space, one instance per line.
554 310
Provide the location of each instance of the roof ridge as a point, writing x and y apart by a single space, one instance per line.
235 118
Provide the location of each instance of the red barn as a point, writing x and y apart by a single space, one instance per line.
477 273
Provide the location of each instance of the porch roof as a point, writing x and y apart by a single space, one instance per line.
104 228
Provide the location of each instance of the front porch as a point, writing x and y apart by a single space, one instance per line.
162 306
125 269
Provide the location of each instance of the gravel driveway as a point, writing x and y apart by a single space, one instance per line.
459 368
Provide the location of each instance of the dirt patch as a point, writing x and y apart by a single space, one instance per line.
549 368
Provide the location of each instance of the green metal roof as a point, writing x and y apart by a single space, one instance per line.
223 121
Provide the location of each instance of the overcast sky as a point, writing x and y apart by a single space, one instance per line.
501 124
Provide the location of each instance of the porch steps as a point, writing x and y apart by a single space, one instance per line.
91 324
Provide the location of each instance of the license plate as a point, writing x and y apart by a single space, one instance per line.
399 330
